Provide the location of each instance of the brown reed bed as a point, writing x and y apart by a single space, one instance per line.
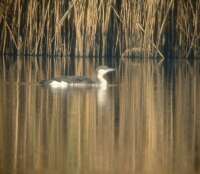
167 28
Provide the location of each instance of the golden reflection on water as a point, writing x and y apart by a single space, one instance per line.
149 123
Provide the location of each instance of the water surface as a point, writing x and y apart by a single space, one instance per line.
149 123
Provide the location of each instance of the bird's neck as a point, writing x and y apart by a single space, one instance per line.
102 80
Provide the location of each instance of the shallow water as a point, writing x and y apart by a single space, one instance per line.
147 123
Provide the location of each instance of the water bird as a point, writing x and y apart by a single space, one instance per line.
80 81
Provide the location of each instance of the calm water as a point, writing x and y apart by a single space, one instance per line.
149 123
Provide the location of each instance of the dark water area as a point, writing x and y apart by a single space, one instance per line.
147 123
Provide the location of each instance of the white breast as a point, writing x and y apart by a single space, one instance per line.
56 84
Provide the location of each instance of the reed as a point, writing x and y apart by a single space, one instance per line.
100 27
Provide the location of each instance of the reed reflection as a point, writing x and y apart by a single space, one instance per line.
149 123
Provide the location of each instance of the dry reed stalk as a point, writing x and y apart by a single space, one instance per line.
85 27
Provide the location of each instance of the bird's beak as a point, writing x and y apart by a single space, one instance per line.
110 70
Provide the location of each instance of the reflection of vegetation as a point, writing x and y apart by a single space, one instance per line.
100 27
150 123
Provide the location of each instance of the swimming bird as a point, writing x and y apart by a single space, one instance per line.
80 81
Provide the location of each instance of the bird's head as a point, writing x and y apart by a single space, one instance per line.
102 70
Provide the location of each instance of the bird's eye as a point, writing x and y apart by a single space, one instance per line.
101 71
